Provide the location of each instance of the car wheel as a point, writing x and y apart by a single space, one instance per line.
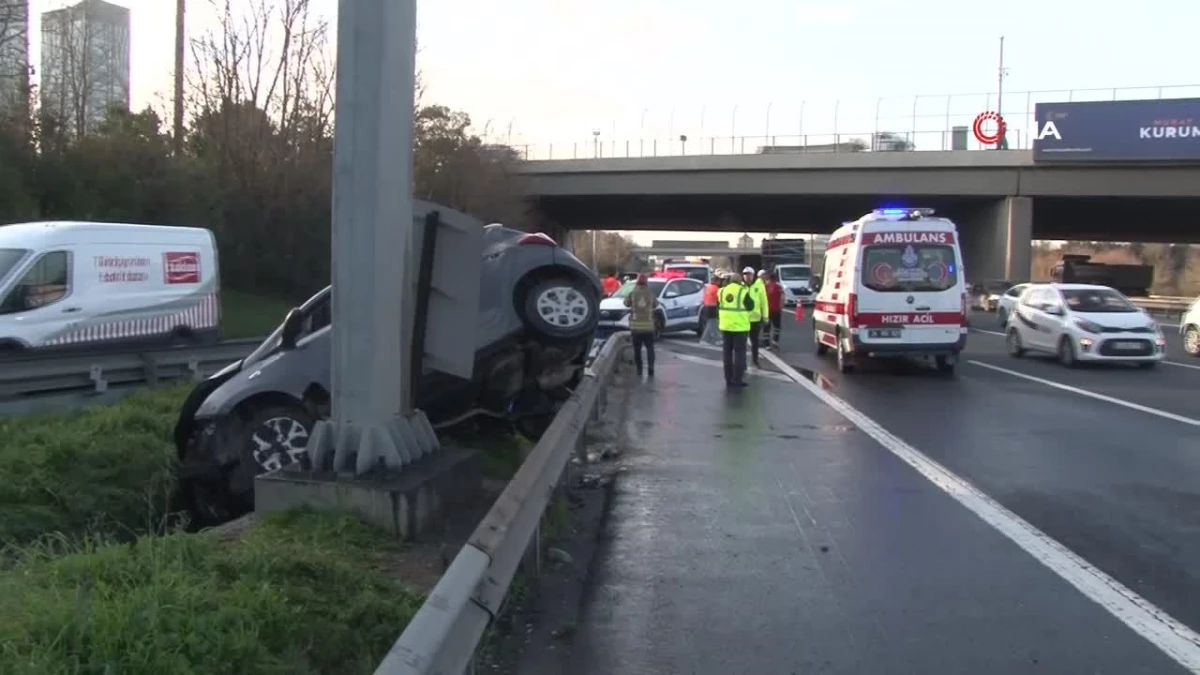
271 437
819 346
1066 352
1013 342
1002 317
561 308
1191 340
700 323
844 364
660 325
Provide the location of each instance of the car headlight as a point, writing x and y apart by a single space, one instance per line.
1088 326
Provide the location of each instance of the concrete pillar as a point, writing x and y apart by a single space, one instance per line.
997 242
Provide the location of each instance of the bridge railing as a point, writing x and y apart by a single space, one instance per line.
924 122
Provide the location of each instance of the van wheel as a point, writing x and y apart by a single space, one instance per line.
820 347
944 365
844 364
1013 342
1066 353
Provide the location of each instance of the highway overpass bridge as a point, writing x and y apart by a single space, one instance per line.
1001 199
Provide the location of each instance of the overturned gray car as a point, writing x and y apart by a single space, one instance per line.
539 307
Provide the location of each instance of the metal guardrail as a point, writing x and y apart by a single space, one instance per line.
443 636
95 373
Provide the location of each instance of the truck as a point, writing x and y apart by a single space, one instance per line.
1132 280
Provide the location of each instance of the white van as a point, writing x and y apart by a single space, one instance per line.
77 285
893 285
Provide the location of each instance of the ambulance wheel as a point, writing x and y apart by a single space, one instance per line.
944 365
844 363
819 346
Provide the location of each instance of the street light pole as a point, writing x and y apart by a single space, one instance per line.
1003 143
177 141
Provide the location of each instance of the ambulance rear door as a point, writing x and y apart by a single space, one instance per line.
910 286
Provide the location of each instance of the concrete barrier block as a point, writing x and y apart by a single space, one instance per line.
406 504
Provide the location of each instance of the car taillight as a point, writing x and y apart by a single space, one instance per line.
536 239
852 311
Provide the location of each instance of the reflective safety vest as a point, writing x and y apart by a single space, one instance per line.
758 291
733 317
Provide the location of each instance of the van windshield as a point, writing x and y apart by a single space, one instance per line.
9 257
907 268
794 272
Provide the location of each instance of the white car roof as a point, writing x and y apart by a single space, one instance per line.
42 234
1082 287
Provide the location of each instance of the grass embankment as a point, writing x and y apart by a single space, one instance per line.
94 578
247 316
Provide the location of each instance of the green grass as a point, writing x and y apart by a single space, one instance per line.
104 470
300 593
246 316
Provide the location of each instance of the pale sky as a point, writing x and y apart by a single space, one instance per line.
554 71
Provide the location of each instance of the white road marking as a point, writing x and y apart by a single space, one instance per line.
1180 365
719 364
989 332
1160 629
1091 394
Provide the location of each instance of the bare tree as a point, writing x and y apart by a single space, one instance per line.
270 56
14 55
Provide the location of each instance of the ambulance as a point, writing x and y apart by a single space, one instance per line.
79 285
893 286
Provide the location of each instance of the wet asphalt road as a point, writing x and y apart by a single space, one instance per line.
760 532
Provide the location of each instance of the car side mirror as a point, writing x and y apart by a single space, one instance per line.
293 324
1054 310
671 294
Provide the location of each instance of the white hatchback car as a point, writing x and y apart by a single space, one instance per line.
1189 328
1082 322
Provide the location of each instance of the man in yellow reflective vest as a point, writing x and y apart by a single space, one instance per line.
735 306
758 317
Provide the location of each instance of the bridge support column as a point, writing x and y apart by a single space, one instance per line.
998 242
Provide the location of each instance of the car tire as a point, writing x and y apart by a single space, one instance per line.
561 308
219 494
660 326
701 322
1012 342
1002 317
1191 340
844 364
1066 352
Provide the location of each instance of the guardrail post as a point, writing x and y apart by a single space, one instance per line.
96 375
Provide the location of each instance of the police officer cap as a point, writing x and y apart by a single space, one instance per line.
748 270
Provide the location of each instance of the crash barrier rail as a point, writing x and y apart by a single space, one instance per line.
96 373
1166 306
443 636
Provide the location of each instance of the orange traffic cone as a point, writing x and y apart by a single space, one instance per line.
799 312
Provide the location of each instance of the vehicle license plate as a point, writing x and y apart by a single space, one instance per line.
883 332
1127 346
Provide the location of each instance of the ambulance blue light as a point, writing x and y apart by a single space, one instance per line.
891 212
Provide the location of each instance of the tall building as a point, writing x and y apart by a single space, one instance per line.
85 63
14 54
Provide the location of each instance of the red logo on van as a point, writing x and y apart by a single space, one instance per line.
180 267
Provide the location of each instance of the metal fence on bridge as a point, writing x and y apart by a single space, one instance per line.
913 123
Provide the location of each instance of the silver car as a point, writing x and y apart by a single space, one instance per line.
539 307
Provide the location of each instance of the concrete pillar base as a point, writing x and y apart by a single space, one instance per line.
997 243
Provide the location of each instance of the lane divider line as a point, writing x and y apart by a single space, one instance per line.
1090 394
721 364
1163 631
989 332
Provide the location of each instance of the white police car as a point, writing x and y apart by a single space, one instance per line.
1083 322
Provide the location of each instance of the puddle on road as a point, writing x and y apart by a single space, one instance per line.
814 377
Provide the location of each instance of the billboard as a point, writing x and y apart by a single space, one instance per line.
1161 130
